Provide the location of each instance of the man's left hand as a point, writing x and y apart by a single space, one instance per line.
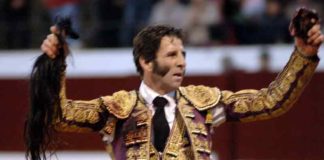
315 39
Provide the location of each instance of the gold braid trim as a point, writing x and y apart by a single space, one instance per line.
138 136
252 105
197 133
64 127
110 126
176 140
79 116
121 103
201 97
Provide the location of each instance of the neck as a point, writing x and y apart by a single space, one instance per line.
157 87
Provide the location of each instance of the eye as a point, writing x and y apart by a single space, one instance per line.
172 54
184 53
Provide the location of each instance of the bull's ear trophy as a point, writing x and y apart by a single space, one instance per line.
45 86
303 21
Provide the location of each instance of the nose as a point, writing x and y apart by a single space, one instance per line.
181 61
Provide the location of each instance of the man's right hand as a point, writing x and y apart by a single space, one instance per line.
51 44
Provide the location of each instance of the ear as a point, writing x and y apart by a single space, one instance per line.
147 66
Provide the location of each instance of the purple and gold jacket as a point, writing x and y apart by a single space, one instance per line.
125 117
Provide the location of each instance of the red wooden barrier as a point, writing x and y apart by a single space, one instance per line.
296 135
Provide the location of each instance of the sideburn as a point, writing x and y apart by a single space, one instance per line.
160 70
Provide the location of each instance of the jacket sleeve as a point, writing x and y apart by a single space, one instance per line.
99 114
79 115
279 97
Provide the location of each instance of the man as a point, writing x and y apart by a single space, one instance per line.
163 120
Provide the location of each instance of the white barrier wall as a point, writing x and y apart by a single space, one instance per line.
119 62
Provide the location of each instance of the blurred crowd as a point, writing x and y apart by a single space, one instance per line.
113 23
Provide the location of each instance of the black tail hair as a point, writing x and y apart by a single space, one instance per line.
45 86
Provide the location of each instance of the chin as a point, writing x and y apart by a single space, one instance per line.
176 85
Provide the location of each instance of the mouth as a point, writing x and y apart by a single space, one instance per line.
178 76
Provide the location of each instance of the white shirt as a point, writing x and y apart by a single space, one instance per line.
149 94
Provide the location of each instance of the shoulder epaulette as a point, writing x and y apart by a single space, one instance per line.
121 103
201 97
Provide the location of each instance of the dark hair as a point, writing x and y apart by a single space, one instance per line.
45 99
147 42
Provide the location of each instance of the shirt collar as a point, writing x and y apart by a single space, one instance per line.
149 94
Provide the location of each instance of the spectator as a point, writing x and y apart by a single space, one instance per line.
200 16
16 19
106 27
136 16
226 32
252 8
273 24
168 12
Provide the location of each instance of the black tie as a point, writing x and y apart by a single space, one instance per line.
160 124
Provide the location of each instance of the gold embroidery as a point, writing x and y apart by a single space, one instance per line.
143 152
241 107
82 111
153 153
141 119
110 126
175 140
76 112
230 97
277 94
202 146
186 154
270 102
209 117
278 97
138 140
188 113
257 105
135 137
201 97
198 128
197 132
121 103
64 127
131 153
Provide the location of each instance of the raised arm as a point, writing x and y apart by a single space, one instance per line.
283 92
49 108
80 115
73 115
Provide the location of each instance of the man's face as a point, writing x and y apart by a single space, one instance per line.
168 67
